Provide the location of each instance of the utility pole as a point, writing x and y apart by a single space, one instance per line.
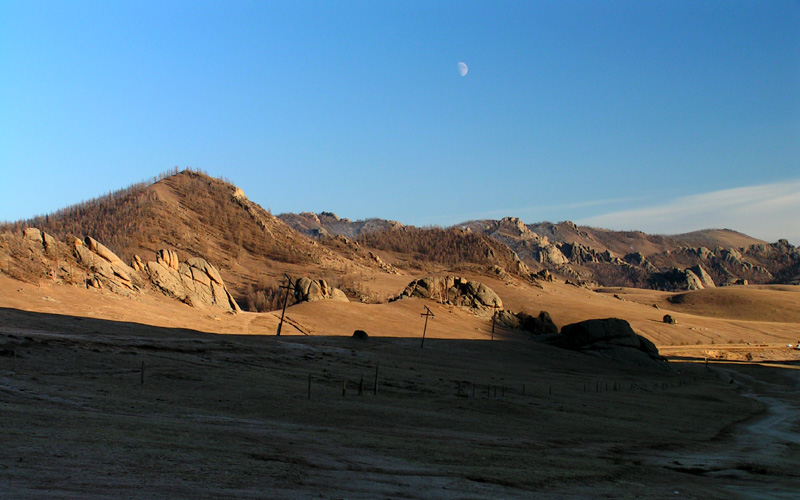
494 315
428 314
288 286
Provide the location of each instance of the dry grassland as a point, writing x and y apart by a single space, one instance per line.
109 397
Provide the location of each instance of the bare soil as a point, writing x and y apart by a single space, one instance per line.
102 396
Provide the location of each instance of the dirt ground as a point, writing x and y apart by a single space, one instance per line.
105 397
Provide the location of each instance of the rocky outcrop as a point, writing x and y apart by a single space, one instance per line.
308 290
37 237
106 269
194 282
693 282
388 268
705 279
693 278
328 224
168 258
137 263
537 325
456 291
612 338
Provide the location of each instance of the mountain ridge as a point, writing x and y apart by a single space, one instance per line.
200 216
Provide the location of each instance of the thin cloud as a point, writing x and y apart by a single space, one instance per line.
768 212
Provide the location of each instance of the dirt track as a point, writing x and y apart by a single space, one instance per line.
759 458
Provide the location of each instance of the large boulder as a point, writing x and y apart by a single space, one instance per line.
103 251
308 290
612 337
32 234
166 279
692 278
705 279
537 325
37 237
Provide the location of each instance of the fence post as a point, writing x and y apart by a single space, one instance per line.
375 390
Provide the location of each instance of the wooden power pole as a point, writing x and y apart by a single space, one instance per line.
288 286
494 316
428 314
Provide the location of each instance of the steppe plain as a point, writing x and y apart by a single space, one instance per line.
106 396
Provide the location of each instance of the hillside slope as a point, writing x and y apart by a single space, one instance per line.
197 216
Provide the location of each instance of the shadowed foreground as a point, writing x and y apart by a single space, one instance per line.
94 408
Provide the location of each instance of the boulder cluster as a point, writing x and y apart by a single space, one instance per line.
87 262
691 278
456 291
308 290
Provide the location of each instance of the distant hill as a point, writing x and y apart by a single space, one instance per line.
633 258
585 254
619 242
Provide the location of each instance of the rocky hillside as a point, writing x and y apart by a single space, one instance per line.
582 254
329 224
34 256
196 216
631 258
200 217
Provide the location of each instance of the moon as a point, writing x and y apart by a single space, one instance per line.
462 69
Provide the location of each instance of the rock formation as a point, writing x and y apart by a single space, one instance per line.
537 325
195 282
612 338
308 290
705 279
106 269
692 278
455 290
34 235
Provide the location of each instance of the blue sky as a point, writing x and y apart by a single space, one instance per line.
623 114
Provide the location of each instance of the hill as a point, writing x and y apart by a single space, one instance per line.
197 216
595 256
632 258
